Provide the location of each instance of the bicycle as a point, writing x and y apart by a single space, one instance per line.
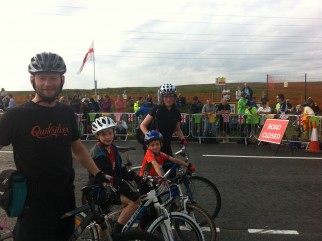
175 199
199 190
170 225
99 200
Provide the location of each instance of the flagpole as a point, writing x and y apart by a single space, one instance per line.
95 82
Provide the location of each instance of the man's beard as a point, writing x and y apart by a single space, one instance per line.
49 99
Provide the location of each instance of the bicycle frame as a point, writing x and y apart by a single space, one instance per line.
149 198
185 181
95 214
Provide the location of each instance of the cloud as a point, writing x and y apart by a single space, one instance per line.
147 43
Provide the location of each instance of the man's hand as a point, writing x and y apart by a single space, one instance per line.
101 178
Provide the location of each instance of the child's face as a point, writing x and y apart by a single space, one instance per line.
106 136
154 146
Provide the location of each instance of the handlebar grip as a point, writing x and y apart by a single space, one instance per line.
109 178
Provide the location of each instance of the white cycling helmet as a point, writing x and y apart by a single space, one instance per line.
168 89
102 123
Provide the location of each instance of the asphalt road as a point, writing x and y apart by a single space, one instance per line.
267 193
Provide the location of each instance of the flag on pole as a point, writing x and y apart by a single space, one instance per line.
88 57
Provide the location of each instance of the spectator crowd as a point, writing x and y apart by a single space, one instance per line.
247 104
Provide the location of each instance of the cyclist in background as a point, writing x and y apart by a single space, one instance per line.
154 158
167 118
108 159
44 135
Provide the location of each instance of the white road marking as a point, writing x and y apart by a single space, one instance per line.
206 229
7 151
267 157
259 231
272 231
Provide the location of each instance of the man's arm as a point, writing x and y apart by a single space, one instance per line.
81 154
203 111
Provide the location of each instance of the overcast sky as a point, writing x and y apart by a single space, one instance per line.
148 43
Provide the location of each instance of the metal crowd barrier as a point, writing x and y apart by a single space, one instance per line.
218 128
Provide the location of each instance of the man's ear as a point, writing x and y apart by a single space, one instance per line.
62 80
32 79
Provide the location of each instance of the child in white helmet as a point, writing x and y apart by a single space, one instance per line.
108 159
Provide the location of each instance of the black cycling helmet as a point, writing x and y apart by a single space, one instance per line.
47 62
152 136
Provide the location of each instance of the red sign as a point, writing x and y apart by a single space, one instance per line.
273 130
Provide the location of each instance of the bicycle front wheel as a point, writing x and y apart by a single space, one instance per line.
182 227
89 233
204 193
203 219
136 235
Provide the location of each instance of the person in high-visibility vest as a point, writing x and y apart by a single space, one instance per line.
137 104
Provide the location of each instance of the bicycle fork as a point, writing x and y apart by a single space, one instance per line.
166 227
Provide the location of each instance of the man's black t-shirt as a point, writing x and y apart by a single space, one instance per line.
166 123
41 138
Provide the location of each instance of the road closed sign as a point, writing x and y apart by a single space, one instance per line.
273 131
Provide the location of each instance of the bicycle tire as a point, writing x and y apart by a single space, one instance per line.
205 194
203 220
90 232
136 235
183 227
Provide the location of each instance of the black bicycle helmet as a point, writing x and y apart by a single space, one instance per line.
47 62
152 136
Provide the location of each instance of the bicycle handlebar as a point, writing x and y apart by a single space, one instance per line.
182 152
